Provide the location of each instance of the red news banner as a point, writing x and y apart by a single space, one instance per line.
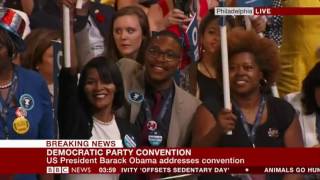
98 156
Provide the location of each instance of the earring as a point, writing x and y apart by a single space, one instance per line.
13 56
263 82
203 51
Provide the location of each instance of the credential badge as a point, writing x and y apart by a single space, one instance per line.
129 142
135 97
26 101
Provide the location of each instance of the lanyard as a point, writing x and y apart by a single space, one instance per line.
252 134
163 110
4 105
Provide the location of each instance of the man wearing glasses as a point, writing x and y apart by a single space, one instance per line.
161 109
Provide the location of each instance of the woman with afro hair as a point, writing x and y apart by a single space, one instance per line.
256 119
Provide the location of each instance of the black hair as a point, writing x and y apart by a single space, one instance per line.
7 41
212 17
310 83
108 73
167 33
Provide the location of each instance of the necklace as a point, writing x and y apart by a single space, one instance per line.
207 70
5 86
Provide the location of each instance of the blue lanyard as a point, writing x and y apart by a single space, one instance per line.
163 110
6 103
252 134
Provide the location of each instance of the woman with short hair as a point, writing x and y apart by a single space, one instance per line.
87 110
38 55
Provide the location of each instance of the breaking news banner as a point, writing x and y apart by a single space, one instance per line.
108 157
250 11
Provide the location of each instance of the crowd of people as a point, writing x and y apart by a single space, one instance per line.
132 77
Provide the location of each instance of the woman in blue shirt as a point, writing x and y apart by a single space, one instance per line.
25 107
25 102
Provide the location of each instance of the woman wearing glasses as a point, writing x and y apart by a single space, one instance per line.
161 109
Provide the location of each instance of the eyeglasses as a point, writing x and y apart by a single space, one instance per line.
169 56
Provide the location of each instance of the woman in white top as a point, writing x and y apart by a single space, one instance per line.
87 110
307 103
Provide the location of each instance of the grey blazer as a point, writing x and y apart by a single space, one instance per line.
183 108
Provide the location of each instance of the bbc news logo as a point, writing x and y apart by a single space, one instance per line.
57 170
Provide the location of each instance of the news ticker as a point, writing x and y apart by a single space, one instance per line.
108 157
250 11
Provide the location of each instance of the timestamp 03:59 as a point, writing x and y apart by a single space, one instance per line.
107 170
